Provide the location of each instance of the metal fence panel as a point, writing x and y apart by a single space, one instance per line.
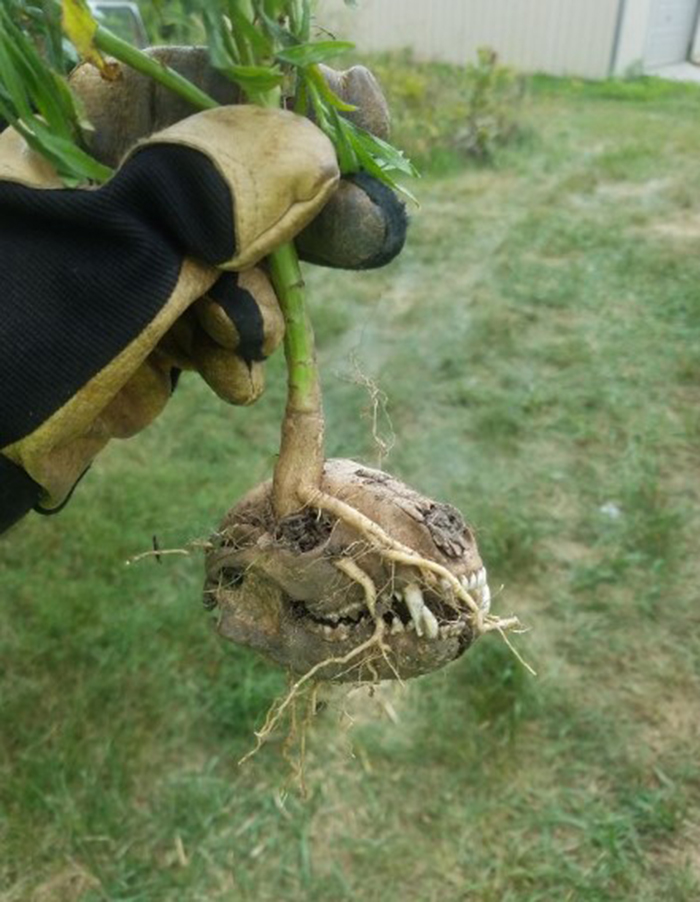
562 37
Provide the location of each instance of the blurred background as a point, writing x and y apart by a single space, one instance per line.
596 39
537 345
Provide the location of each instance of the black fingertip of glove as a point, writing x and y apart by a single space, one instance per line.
363 226
18 493
242 309
395 218
51 511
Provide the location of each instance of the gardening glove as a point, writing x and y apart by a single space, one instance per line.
361 227
108 292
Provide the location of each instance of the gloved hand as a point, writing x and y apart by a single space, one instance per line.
361 227
109 293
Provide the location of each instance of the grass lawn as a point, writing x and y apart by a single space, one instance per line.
539 346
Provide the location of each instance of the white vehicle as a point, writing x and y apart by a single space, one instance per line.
124 19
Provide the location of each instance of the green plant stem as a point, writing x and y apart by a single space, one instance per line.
299 345
299 467
109 43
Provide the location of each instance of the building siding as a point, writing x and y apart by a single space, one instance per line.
562 37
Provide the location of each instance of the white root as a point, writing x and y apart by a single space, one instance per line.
276 713
397 552
356 573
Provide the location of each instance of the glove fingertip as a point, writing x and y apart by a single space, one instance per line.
363 226
233 379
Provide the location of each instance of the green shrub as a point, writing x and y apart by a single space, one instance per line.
494 96
444 114
173 21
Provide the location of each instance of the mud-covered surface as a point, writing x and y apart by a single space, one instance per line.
277 588
303 531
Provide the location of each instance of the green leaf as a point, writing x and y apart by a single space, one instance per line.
72 164
41 90
313 52
36 100
255 78
226 51
273 9
301 20
260 44
301 100
73 160
80 28
314 75
11 82
358 149
374 167
320 109
342 139
389 156
276 32
7 107
219 49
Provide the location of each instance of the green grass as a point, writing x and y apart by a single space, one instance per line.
538 343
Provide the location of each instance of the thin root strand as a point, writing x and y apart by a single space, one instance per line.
190 548
391 549
277 711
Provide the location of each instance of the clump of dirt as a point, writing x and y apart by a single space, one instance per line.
371 580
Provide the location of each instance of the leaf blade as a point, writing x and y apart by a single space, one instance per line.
313 52
80 28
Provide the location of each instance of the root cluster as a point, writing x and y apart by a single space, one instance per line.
391 550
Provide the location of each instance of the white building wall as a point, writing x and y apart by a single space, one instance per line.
562 37
634 31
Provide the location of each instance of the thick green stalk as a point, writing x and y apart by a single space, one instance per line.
299 467
303 372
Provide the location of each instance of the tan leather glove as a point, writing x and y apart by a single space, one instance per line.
104 291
